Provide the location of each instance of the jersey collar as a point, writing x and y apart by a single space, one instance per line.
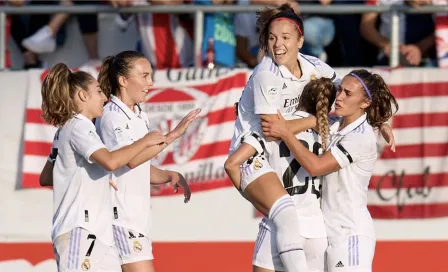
304 65
125 109
334 128
82 117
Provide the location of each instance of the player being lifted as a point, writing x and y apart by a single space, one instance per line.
316 99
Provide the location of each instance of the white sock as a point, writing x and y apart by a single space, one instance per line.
284 215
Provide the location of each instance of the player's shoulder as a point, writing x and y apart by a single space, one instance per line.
267 67
112 112
318 68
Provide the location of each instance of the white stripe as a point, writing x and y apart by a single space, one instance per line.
147 37
414 105
33 164
182 42
412 165
39 133
431 195
411 136
405 76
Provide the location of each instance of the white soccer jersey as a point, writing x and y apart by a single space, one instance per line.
118 127
54 148
81 192
304 189
271 88
344 200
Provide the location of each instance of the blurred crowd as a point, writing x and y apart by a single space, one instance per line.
167 39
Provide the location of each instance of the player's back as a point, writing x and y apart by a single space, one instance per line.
80 187
304 189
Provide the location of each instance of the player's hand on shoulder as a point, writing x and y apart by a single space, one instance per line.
274 126
155 137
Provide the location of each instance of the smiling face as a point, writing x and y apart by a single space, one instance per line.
351 99
94 100
139 81
284 42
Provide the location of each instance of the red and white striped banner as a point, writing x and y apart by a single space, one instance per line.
411 183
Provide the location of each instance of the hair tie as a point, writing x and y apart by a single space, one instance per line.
363 84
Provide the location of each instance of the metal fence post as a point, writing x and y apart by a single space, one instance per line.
2 40
198 35
394 58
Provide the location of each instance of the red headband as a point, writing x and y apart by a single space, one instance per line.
291 21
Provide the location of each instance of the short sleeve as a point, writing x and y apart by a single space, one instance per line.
351 149
114 131
328 72
84 139
267 96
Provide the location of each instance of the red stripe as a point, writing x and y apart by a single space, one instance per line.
165 45
37 148
206 151
34 116
419 89
221 116
416 151
32 181
420 120
409 211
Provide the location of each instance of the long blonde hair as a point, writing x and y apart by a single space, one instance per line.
58 92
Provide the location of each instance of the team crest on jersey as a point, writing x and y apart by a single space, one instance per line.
257 164
166 109
86 264
313 76
137 247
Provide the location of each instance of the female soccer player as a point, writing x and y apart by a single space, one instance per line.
363 102
126 78
276 83
82 225
316 99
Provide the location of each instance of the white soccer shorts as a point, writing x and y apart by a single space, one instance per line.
132 246
266 253
79 250
253 169
350 253
256 166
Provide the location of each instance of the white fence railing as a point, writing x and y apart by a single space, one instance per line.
199 10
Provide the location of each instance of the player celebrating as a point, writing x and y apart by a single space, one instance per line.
364 102
316 99
276 83
126 78
82 225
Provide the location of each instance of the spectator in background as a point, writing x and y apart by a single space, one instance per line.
219 33
319 32
23 25
44 40
246 31
416 34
